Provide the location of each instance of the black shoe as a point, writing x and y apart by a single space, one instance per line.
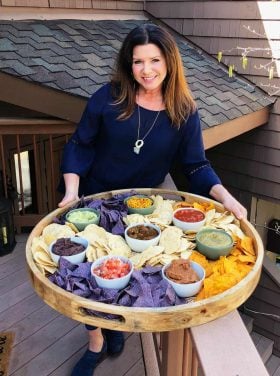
89 361
115 341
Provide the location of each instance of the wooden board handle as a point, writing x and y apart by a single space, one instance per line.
86 314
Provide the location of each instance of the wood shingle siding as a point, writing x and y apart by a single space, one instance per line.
184 9
75 4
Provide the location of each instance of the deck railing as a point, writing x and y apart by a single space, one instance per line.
222 347
30 153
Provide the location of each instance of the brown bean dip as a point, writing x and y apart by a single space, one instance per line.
142 232
180 271
65 247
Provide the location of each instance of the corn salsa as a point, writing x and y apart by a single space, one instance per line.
139 202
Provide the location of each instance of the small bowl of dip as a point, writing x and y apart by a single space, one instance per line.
186 277
214 243
73 249
112 272
141 236
83 217
139 204
189 219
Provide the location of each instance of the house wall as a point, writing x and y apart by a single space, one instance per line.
250 164
74 4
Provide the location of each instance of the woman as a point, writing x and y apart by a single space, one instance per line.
130 133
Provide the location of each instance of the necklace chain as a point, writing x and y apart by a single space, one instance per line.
140 141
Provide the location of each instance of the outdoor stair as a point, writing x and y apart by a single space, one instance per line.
264 346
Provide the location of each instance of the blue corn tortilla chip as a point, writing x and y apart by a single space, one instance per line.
146 288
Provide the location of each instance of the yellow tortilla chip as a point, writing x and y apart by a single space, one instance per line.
247 245
182 204
247 258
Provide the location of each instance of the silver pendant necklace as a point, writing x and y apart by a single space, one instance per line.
140 141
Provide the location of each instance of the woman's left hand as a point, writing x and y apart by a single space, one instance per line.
219 193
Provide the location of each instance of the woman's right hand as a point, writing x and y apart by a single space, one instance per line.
69 197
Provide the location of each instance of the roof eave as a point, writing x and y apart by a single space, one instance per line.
41 98
70 107
226 131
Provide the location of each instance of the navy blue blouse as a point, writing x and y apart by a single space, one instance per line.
101 149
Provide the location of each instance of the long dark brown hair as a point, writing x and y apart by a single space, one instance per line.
176 93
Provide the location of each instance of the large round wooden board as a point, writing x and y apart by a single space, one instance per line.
145 319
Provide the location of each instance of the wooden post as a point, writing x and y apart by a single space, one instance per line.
172 353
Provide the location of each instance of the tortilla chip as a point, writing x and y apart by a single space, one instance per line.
186 254
118 245
72 226
38 245
247 245
209 215
201 260
141 259
163 210
55 231
170 239
91 253
232 229
182 204
247 258
132 219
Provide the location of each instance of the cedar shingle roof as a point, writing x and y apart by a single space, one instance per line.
77 57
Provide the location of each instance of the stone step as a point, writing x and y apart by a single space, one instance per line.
273 365
264 345
247 320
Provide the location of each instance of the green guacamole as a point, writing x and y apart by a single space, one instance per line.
82 216
212 239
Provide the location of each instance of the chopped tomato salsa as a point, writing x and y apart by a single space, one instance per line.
189 215
112 268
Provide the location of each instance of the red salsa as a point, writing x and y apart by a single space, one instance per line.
189 215
112 268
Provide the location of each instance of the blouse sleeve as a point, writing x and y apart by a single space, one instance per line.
195 165
78 153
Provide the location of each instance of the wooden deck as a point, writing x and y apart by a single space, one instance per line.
47 343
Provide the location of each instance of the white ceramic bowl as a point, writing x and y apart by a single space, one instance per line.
75 259
188 289
189 225
115 283
138 245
